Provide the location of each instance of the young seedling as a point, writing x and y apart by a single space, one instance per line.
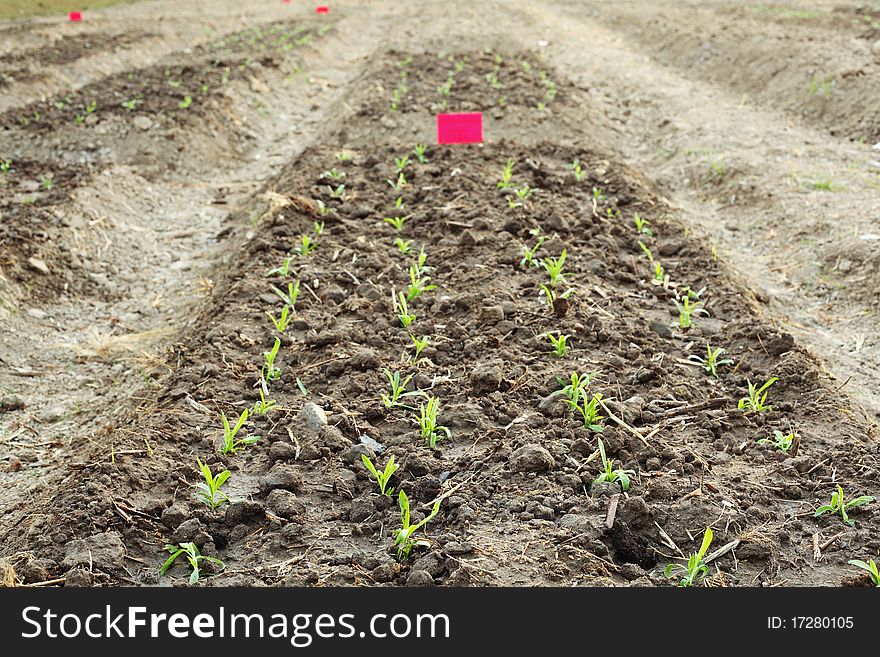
402 311
282 322
209 489
400 164
419 152
231 444
643 226
554 268
560 344
398 389
404 247
756 401
687 311
659 274
383 477
576 387
5 166
186 102
839 506
420 344
446 88
323 209
420 266
598 194
337 192
696 568
690 293
404 540
553 296
646 251
521 195
194 557
399 184
430 429
269 371
609 475
577 170
529 259
333 174
417 285
283 270
291 296
306 246
589 411
712 360
870 568
780 441
397 222
506 175
318 227
263 406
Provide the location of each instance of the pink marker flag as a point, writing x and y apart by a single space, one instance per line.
323 9
75 16
466 128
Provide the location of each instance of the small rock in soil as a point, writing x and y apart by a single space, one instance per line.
374 445
486 379
78 578
432 563
311 419
552 405
455 548
99 551
142 122
582 524
285 504
280 476
36 313
364 359
353 454
492 314
333 438
282 451
419 578
383 574
243 511
174 515
531 458
661 329
11 403
52 413
604 489
361 509
416 465
191 530
38 265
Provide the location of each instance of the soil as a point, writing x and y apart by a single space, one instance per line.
147 318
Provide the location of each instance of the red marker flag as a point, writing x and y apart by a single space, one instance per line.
323 9
466 128
75 16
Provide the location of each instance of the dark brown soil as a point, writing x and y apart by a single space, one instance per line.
19 66
490 365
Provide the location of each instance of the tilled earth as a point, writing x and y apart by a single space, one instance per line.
137 245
